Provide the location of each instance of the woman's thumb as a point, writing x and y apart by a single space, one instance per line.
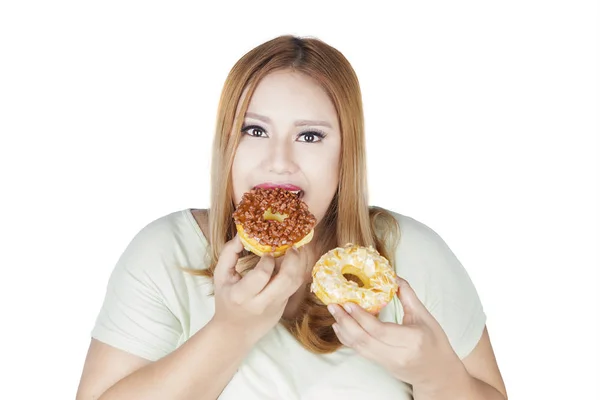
412 306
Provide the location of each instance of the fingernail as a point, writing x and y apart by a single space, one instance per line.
348 307
331 309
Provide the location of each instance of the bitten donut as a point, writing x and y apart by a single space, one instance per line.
273 220
355 274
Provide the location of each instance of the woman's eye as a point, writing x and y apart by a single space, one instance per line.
254 131
312 137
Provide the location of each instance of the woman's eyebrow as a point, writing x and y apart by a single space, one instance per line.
300 122
259 117
303 122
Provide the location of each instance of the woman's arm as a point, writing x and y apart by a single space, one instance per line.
482 366
199 369
246 308
480 379
419 352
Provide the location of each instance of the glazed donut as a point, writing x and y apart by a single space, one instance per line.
273 220
355 274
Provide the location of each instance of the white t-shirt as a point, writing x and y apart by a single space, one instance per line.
152 307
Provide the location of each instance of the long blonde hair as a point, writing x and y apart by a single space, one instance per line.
349 218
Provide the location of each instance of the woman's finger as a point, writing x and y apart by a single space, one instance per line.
254 281
225 272
353 335
388 333
287 281
415 311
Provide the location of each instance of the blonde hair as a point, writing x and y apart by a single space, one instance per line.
349 218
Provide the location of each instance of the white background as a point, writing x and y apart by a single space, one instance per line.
481 123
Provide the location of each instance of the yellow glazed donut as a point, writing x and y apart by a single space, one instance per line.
371 279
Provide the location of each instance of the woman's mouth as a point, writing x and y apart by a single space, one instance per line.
289 187
299 193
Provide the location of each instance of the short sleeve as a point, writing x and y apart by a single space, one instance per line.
442 283
134 316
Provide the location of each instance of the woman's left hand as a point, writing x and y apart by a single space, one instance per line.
417 352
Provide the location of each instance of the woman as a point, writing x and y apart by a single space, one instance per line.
189 314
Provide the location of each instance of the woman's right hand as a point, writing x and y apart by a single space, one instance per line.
253 304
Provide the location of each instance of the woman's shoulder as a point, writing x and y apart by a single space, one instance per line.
419 249
146 310
169 237
168 227
410 229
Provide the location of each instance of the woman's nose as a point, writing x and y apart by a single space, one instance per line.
281 157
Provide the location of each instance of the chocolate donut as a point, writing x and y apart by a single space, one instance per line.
273 220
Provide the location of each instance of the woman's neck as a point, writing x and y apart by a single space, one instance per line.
294 302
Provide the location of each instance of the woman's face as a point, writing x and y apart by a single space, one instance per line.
290 136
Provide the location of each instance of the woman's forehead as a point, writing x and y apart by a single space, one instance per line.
286 93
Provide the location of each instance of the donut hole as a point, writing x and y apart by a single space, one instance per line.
270 216
355 279
356 275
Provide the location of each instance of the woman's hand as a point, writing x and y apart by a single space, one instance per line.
417 352
253 304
